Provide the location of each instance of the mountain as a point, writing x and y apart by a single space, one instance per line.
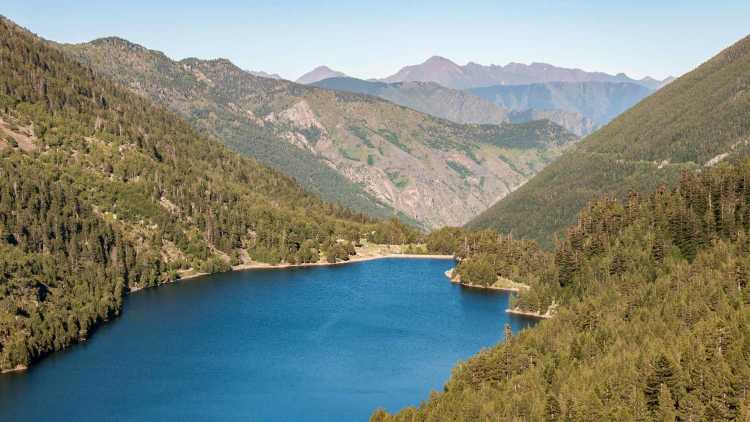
318 74
696 121
262 74
213 109
472 75
102 192
599 102
454 105
434 171
427 97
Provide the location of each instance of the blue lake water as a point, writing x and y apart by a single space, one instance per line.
317 344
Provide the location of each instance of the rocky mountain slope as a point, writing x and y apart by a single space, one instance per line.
697 121
449 74
432 170
598 102
454 105
318 74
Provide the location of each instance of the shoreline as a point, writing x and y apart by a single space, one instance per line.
18 368
512 311
255 266
265 266
352 259
528 313
457 280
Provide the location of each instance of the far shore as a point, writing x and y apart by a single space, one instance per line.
266 266
352 259
528 313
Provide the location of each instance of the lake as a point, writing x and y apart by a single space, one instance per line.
317 344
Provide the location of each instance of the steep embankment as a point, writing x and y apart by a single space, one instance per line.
432 170
696 121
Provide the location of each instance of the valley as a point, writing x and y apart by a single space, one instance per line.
430 170
186 237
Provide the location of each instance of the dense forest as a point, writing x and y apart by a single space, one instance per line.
102 192
651 306
699 119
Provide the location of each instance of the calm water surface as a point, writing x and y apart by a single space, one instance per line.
320 344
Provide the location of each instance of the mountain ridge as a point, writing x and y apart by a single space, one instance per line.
472 75
454 105
696 121
429 169
598 101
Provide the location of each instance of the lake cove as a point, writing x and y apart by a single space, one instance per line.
317 344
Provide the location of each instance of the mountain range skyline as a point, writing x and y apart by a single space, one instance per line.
424 72
290 39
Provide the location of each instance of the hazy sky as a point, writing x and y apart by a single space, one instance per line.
375 39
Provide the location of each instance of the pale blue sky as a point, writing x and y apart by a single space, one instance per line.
375 39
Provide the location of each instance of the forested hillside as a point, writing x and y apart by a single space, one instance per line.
102 192
455 105
694 122
434 171
651 313
598 102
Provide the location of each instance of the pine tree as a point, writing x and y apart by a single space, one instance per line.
666 405
552 408
740 276
657 250
618 264
662 373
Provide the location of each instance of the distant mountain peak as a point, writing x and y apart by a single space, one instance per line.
445 72
318 74
439 60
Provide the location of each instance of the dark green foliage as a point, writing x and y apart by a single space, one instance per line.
662 375
392 232
552 410
445 241
486 255
477 271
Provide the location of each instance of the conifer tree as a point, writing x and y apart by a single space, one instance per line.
662 373
552 408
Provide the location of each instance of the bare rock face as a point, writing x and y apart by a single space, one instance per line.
358 150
